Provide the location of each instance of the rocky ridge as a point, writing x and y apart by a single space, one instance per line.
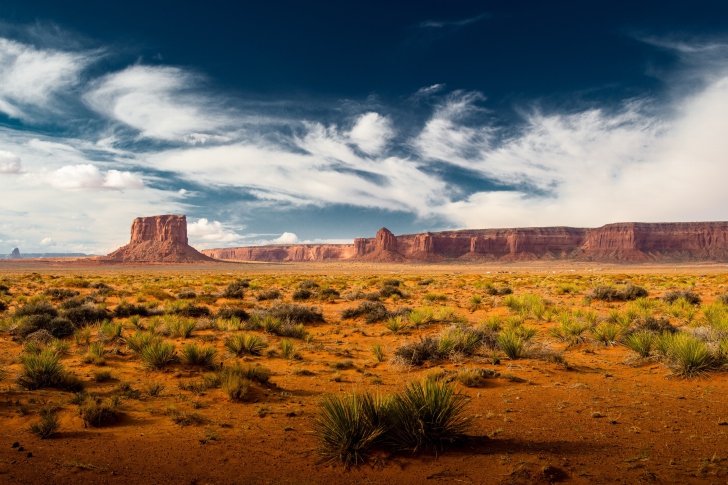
622 242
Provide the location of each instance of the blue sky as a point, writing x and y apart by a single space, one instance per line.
323 121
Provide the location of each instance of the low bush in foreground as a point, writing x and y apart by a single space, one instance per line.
158 355
44 369
425 415
97 412
47 426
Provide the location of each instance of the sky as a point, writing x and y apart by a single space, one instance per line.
322 121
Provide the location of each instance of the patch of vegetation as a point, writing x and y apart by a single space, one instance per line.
44 369
688 295
426 415
628 292
193 354
126 310
158 354
96 412
240 344
57 294
228 313
302 294
236 290
292 313
269 294
48 425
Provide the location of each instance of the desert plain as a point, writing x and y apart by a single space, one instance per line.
562 381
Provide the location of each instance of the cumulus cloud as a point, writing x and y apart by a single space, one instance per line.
88 176
31 78
205 231
9 162
371 132
285 238
47 242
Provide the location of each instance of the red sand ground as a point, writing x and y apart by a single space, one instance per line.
606 419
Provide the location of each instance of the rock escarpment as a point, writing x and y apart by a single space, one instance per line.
624 242
158 239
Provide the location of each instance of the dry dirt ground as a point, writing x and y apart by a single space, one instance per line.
593 414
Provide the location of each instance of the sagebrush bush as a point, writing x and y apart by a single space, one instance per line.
292 313
56 294
228 313
688 295
85 315
610 293
126 310
236 290
269 294
301 294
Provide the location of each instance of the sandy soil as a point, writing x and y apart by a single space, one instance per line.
607 417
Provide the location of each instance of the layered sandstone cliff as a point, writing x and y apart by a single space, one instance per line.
623 242
158 239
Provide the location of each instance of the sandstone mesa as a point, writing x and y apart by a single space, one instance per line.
631 242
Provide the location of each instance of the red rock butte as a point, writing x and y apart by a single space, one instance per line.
631 242
158 239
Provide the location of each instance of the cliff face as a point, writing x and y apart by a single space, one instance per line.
158 239
624 242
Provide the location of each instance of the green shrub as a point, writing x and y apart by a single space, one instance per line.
37 308
607 333
45 370
181 328
84 315
236 290
295 314
110 332
158 354
47 426
234 386
56 294
689 356
137 342
269 294
640 342
348 426
97 413
511 343
302 294
378 352
288 348
427 415
126 310
240 344
228 313
395 324
256 373
193 354
610 293
688 295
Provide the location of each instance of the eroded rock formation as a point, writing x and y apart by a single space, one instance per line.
623 242
158 239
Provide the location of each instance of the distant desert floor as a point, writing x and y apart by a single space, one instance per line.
575 403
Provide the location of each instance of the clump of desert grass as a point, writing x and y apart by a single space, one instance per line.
193 354
158 355
427 415
241 344
48 425
96 412
44 369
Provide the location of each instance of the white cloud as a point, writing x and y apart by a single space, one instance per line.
159 102
31 78
47 242
285 238
9 162
87 176
371 132
204 232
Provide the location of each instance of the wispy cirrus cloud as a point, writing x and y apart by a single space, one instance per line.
32 80
439 24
